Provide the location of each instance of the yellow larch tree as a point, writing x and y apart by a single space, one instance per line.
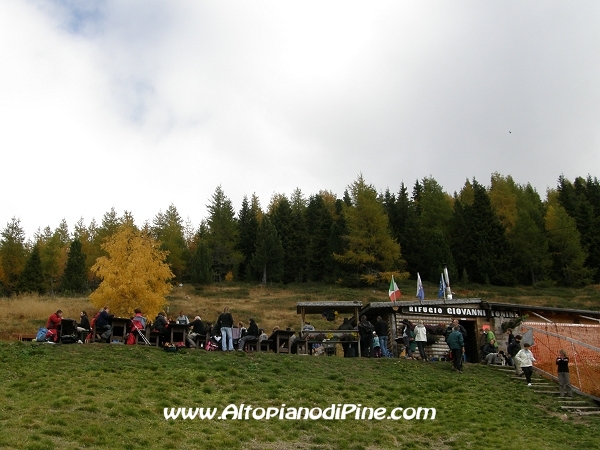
134 274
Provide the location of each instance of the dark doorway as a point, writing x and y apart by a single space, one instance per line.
471 347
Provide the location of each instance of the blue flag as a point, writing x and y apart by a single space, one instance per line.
420 290
442 291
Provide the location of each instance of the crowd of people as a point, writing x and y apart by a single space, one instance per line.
373 339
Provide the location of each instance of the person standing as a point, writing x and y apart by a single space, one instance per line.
456 343
345 339
512 350
225 323
526 360
421 339
376 346
407 337
381 327
564 378
365 331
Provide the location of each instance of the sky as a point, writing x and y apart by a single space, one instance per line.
137 105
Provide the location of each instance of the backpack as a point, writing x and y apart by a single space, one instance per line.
68 339
41 334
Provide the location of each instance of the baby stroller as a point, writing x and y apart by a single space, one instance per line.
212 345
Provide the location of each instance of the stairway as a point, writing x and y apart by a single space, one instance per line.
578 404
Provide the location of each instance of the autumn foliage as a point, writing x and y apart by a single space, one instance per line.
134 274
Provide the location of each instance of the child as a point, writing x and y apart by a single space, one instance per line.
376 346
564 379
526 359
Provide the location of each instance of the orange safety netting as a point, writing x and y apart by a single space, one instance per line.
581 345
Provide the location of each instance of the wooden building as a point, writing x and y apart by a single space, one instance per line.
474 314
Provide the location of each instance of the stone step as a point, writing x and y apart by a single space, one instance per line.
547 392
589 408
588 413
572 401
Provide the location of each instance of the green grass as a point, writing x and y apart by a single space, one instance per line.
112 396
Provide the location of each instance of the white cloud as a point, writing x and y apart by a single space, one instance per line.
138 105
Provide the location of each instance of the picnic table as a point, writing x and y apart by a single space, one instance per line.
282 341
178 331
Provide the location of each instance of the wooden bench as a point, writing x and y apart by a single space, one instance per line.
24 337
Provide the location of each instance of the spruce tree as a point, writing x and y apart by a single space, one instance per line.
269 256
32 277
248 231
75 276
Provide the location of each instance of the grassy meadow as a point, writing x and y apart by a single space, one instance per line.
113 396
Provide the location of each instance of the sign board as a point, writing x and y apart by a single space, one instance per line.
458 311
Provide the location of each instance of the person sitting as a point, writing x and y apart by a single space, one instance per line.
138 327
251 334
52 325
139 318
161 326
182 319
83 327
242 329
198 329
103 324
262 336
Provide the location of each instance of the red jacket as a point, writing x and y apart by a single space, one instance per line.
53 322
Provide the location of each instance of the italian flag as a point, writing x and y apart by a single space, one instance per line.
394 293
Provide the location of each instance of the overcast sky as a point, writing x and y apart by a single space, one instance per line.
140 104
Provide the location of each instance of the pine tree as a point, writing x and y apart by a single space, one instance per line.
319 222
200 267
268 258
479 242
75 276
167 228
280 213
32 278
299 238
248 231
223 234
564 241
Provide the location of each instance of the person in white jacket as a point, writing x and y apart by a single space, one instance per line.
421 339
526 360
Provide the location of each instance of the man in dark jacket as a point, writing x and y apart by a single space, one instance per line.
198 329
457 347
251 334
103 324
346 339
512 350
365 331
462 329
381 327
225 323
